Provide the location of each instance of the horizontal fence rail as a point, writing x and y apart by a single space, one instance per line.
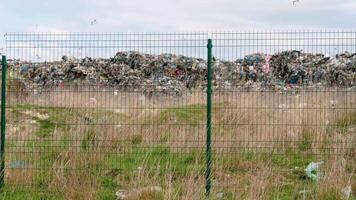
38 47
122 113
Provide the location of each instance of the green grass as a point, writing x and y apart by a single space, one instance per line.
13 193
192 114
154 156
45 127
108 189
62 115
154 159
159 159
306 142
136 139
88 140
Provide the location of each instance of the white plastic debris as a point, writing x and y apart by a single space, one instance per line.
312 170
92 101
346 192
120 195
219 195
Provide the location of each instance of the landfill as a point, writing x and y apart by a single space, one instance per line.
174 74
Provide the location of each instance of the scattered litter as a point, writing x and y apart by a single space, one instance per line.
16 164
220 195
346 192
35 114
154 191
312 170
92 101
283 107
304 191
121 195
333 103
139 168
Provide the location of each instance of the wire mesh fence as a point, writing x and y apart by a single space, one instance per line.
115 111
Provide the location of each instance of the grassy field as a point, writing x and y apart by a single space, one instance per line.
91 144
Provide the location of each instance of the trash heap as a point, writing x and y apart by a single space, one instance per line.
174 74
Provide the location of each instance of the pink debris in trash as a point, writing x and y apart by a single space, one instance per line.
179 72
61 85
265 67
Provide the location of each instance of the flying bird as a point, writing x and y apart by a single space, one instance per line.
295 2
93 22
38 57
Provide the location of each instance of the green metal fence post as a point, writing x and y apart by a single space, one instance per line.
3 120
209 124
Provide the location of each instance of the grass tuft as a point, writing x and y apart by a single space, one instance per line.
346 121
45 128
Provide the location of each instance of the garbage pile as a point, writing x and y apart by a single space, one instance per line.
174 74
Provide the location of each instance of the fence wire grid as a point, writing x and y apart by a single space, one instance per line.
114 111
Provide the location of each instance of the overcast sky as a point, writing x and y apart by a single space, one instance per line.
174 15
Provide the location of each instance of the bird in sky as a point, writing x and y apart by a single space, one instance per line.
38 57
93 22
295 2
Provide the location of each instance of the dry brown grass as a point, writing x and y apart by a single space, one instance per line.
70 179
339 174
